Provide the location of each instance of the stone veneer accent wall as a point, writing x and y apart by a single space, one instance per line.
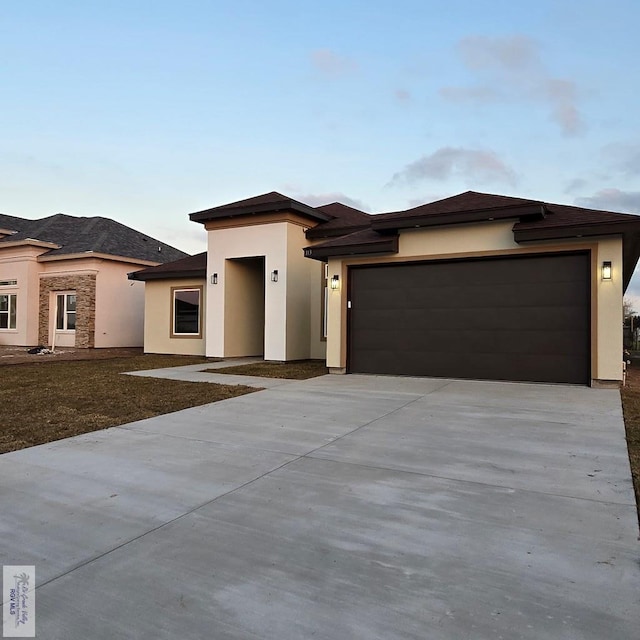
85 288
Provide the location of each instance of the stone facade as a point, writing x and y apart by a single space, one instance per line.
85 288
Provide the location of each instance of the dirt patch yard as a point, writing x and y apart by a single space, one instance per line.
19 355
49 399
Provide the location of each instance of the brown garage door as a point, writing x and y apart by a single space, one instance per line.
524 318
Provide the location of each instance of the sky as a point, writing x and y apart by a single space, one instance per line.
145 111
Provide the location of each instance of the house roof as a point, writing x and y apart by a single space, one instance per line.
12 223
73 235
344 219
534 220
266 203
470 206
189 267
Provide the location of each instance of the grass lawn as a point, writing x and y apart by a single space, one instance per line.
47 401
299 370
631 407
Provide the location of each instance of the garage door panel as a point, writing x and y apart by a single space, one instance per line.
506 319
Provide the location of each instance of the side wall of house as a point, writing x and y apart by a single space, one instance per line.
119 317
158 316
304 293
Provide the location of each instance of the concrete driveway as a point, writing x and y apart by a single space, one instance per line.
345 507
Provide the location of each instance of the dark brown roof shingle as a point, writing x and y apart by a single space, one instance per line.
189 267
74 234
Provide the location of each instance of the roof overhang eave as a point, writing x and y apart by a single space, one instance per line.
527 212
388 245
268 207
167 275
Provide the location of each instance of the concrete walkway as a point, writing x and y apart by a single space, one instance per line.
196 373
343 507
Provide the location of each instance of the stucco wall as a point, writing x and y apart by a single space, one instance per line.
463 239
119 307
608 330
20 263
304 294
496 238
318 344
158 317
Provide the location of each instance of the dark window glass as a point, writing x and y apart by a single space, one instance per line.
186 311
60 314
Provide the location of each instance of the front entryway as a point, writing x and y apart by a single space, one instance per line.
244 301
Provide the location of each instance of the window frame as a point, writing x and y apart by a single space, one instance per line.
12 311
65 312
172 326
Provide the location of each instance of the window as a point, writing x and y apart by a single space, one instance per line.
8 310
8 283
186 312
66 316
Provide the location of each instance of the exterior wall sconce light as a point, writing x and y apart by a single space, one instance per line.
335 282
214 278
274 275
606 270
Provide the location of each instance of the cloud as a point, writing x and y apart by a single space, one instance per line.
577 184
510 69
612 200
316 200
469 94
624 157
330 63
473 164
402 96
513 54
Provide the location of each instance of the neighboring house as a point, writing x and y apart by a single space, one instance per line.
473 286
63 281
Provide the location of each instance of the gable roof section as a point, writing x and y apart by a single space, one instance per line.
189 267
74 235
271 202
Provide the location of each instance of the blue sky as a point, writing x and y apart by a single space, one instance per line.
145 111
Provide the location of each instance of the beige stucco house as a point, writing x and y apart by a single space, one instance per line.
63 281
473 286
